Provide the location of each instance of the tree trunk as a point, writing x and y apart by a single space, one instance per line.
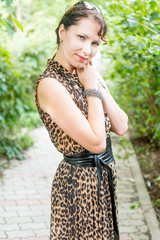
28 9
18 14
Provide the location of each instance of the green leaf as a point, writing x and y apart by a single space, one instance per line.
150 51
146 39
131 38
8 3
3 23
18 24
132 23
139 37
158 178
118 156
12 10
157 93
139 204
140 46
132 207
10 28
132 180
153 37
153 4
154 15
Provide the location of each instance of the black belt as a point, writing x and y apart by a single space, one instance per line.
88 159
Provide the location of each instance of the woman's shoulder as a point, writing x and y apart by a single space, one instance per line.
47 73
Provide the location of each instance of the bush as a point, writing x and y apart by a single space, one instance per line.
134 50
28 51
14 103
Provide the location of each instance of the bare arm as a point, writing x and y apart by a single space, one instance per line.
56 100
118 118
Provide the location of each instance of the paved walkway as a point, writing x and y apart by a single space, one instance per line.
25 194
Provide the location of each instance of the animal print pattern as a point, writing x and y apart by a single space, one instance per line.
75 214
64 143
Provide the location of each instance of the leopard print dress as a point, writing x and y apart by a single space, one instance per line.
75 214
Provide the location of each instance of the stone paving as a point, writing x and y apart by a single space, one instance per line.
25 194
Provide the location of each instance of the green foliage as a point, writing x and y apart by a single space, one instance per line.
14 103
28 51
158 180
134 52
8 22
12 93
12 146
134 205
29 119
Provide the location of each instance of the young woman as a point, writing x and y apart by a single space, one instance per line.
79 112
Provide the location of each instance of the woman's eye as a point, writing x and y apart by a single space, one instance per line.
95 44
81 37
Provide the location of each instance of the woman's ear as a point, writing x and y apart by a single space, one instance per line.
61 32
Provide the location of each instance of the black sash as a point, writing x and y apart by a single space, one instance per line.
88 159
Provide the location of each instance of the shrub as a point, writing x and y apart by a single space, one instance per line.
134 52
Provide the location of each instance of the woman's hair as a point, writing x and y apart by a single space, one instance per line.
81 10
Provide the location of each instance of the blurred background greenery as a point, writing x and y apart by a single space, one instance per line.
23 56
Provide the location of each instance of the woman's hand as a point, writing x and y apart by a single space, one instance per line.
88 76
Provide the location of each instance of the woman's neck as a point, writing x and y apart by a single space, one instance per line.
60 58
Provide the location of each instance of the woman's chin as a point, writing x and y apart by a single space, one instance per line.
79 65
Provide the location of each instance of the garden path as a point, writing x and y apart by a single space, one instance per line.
26 185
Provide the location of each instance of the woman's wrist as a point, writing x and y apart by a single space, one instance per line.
92 92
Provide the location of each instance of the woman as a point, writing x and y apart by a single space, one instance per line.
79 112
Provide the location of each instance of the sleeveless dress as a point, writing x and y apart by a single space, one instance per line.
75 214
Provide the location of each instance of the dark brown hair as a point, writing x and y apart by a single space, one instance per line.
76 13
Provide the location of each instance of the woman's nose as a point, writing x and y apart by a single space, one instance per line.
87 49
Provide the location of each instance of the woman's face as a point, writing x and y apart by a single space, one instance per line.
79 43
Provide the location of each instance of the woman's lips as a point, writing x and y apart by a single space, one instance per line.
82 59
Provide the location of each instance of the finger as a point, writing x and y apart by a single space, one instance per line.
85 66
90 62
74 71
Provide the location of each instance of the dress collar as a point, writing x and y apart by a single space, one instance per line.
61 69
